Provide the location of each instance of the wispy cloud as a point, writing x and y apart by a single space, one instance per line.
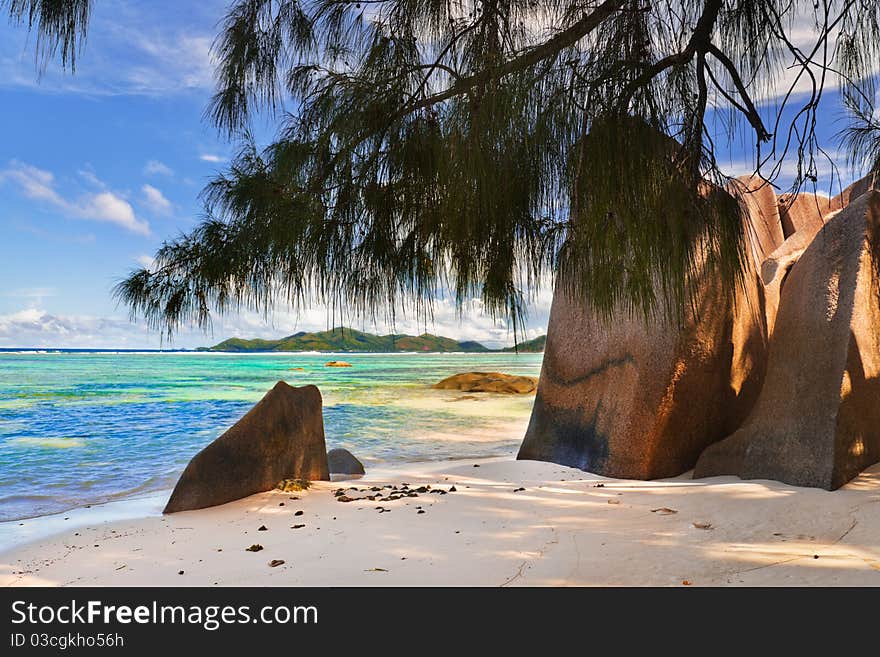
90 177
106 206
53 235
209 157
791 79
178 62
34 183
133 48
157 168
34 295
155 200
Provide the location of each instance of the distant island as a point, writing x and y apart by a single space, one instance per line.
533 346
348 339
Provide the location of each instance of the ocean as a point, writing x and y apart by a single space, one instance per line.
81 428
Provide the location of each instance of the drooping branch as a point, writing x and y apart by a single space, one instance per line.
698 46
751 113
60 26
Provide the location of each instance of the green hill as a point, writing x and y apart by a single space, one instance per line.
534 346
347 339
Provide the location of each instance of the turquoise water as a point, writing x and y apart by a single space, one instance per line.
85 428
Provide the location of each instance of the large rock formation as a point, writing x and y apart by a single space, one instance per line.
805 213
854 191
817 419
281 437
628 400
763 217
802 217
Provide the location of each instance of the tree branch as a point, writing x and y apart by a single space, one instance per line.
698 44
557 43
751 111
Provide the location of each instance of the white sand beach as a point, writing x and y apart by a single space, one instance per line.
566 527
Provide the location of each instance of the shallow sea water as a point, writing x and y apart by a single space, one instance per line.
87 428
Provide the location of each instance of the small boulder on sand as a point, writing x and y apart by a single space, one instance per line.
489 382
341 461
337 363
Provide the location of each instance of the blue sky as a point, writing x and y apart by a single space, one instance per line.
97 168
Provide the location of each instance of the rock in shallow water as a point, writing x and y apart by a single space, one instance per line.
282 436
341 461
489 382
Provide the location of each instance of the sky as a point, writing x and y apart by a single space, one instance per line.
99 167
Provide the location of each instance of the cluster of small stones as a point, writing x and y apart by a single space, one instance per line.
375 493
387 493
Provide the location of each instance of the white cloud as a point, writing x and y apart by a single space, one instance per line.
53 235
38 328
155 200
157 168
785 78
185 57
105 206
208 157
29 292
146 261
109 207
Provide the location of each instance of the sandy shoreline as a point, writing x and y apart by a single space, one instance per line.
563 529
